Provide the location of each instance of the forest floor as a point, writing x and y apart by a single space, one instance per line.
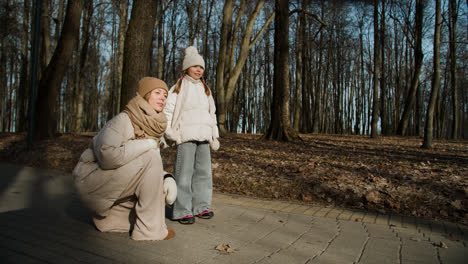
383 175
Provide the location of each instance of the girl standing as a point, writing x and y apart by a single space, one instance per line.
192 125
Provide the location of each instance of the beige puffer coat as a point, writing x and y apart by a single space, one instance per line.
107 166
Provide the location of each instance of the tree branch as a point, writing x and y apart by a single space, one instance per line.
262 30
309 14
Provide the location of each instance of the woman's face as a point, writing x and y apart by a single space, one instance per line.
196 72
157 99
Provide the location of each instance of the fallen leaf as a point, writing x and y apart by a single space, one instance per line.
224 248
440 244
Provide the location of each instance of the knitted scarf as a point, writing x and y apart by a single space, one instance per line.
146 122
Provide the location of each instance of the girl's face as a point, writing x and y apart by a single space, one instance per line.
157 99
196 72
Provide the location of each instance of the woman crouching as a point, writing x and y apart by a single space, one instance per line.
120 177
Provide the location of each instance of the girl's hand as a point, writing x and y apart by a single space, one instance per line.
214 144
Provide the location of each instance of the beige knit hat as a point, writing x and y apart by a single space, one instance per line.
148 84
192 58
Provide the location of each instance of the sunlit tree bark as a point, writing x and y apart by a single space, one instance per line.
280 126
46 114
137 47
428 132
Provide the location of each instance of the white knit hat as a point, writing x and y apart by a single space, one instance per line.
192 58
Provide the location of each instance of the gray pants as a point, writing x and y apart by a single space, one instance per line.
192 172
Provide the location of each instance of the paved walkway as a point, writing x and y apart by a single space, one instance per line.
42 221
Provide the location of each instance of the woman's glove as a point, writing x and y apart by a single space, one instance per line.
170 188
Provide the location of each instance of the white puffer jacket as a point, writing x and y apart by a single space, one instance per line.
191 114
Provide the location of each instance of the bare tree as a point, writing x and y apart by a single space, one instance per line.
428 132
418 59
81 72
453 16
115 88
227 73
376 73
299 67
193 19
280 126
46 118
24 84
137 47
45 36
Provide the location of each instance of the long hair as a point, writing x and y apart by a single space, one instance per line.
179 83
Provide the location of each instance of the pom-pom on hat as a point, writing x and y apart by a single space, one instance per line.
192 58
148 84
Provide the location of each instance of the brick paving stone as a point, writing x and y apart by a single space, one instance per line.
279 205
334 213
455 252
423 225
290 208
345 215
376 231
438 226
452 229
418 252
395 220
358 216
300 209
382 251
382 219
409 222
312 210
270 204
370 218
333 257
322 212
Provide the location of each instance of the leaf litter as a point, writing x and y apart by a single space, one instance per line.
383 175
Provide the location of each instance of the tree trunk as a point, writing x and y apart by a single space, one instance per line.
160 58
376 74
220 93
361 83
59 19
24 77
280 125
205 36
383 91
81 82
3 83
428 132
317 95
46 118
117 84
225 85
453 13
299 67
137 47
418 59
45 37
396 98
